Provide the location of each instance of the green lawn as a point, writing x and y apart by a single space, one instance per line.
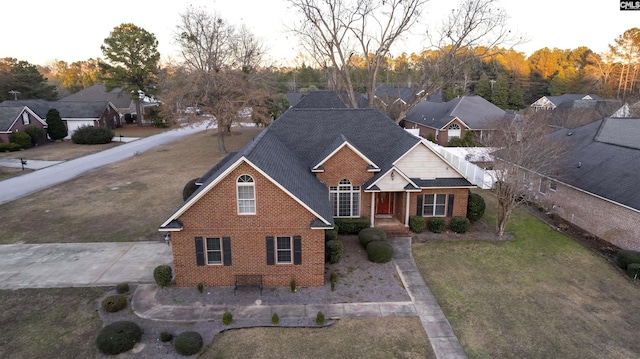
541 295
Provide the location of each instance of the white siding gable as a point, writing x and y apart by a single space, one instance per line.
392 184
422 162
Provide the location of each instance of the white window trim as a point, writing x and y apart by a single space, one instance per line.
207 250
351 191
238 200
434 195
25 118
278 250
553 186
544 186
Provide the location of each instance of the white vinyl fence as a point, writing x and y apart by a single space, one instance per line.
456 156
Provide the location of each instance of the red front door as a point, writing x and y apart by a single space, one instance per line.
384 203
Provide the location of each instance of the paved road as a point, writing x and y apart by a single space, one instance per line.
19 186
56 265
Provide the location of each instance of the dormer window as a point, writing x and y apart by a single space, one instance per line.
246 195
25 118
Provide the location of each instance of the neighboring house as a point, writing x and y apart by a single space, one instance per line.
264 209
18 118
329 99
93 114
552 102
120 99
446 120
575 110
597 185
397 95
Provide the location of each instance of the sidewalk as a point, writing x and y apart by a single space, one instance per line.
423 304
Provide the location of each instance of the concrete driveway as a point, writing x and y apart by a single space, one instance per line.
58 265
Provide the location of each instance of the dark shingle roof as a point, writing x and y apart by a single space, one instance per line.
8 116
294 98
621 132
80 109
442 182
474 111
596 162
98 92
329 99
406 94
569 98
39 107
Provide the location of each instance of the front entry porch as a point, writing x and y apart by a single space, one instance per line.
392 226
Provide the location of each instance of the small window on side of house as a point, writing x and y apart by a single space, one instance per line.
553 186
25 118
544 183
284 250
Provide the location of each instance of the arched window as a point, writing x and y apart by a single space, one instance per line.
246 195
453 131
345 199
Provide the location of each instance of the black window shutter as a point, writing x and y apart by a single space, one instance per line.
419 208
270 256
450 206
297 250
199 252
226 251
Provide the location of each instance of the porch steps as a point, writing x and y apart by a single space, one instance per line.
396 231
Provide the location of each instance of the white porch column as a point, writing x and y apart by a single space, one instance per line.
373 208
406 215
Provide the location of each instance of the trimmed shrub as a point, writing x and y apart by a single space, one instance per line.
379 251
333 279
189 188
227 318
166 337
88 135
368 235
56 128
118 337
460 224
437 224
417 224
275 319
122 288
10 147
188 343
626 257
333 251
292 284
320 318
331 234
163 275
21 138
114 303
633 269
351 225
475 207
35 133
200 287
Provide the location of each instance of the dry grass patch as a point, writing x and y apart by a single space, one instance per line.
541 295
58 151
391 337
8 172
125 201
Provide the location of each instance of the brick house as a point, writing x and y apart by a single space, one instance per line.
264 209
18 118
453 119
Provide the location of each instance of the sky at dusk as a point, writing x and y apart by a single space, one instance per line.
39 31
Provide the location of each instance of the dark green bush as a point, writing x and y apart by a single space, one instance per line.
368 235
55 126
331 234
122 288
333 279
88 135
379 251
21 138
163 275
333 251
188 343
460 224
275 319
189 188
320 318
166 337
351 225
475 207
114 303
437 224
118 337
626 257
10 147
35 133
417 224
227 318
633 269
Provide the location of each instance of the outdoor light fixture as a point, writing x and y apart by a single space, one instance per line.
393 175
167 238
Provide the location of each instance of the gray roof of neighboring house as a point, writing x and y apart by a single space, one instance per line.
39 107
602 159
98 92
71 109
406 94
8 116
569 98
327 99
294 98
474 111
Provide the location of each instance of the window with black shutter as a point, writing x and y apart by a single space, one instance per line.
226 250
270 251
297 250
199 251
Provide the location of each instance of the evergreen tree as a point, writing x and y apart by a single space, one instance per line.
483 87
516 96
500 94
57 129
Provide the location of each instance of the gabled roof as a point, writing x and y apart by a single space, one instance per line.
328 99
84 110
602 159
39 107
98 92
406 94
565 100
340 142
294 98
10 115
476 112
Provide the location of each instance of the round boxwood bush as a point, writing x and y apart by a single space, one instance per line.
89 135
625 257
114 303
379 251
475 207
437 224
633 269
460 224
331 234
21 138
371 234
417 224
333 250
122 288
162 275
118 337
227 317
188 343
166 337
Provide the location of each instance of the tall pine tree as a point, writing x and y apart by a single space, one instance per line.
500 94
483 87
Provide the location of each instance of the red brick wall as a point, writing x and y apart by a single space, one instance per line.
19 126
277 214
461 197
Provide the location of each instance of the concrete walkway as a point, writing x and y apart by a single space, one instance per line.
31 164
423 304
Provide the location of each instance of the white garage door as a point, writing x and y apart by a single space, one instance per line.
72 126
